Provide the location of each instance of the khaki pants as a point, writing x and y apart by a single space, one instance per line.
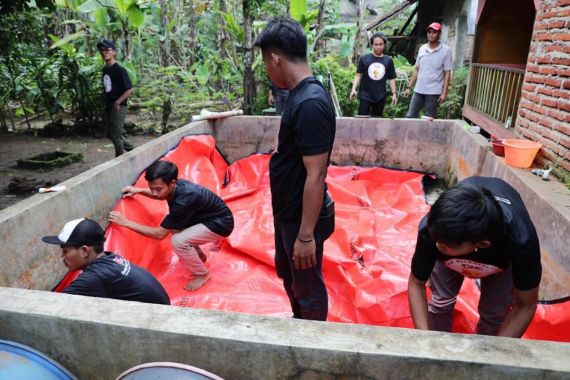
183 243
114 123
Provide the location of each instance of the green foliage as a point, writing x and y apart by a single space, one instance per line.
342 78
452 107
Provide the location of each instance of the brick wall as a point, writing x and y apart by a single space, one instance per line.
544 111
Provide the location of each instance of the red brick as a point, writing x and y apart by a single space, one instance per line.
561 94
547 70
563 72
549 102
532 117
532 68
540 26
556 114
557 48
565 140
562 128
532 97
553 82
563 106
529 87
537 108
556 24
565 12
545 37
563 2
545 91
544 59
566 84
545 122
561 61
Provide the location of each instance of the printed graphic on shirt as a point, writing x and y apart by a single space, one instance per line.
472 269
376 71
107 83
124 263
504 200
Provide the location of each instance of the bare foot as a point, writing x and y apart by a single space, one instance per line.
201 253
197 282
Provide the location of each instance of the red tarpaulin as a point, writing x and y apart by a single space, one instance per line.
367 259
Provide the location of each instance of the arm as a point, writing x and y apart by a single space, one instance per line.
412 82
270 98
418 303
129 191
122 98
443 96
157 233
355 83
392 83
521 314
304 253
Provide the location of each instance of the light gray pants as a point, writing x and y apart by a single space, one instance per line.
427 102
183 243
494 304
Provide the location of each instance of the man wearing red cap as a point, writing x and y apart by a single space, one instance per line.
431 74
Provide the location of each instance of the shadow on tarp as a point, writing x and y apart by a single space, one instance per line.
367 259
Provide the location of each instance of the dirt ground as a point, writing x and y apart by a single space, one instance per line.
15 146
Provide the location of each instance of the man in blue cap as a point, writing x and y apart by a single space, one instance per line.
118 88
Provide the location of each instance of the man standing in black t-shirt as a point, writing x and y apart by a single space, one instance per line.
478 229
303 213
374 70
105 274
196 216
118 88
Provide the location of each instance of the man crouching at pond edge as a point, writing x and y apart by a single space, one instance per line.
303 212
196 216
478 229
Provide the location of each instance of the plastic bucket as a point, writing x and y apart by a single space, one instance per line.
520 153
498 147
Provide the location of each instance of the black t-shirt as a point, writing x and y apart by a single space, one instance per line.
375 72
112 276
308 127
518 245
193 204
115 82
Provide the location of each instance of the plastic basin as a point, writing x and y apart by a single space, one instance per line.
498 147
520 153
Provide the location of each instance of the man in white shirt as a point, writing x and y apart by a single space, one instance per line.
431 74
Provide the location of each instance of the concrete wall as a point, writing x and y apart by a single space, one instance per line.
548 204
26 262
459 29
99 338
94 341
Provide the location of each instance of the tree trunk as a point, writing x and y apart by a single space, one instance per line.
126 40
358 45
222 34
192 33
248 79
164 46
319 43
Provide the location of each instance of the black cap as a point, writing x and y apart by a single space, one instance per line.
106 44
78 232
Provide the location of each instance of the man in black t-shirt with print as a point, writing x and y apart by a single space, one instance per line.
374 70
105 274
118 88
303 213
479 229
196 216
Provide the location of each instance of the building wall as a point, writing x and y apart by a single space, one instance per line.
459 29
544 109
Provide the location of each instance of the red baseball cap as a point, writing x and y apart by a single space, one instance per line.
434 26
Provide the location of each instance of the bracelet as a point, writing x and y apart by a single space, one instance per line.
304 241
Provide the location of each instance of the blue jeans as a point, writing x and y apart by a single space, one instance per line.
305 287
427 102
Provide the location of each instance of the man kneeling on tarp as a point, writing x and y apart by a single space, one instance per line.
196 216
478 229
105 274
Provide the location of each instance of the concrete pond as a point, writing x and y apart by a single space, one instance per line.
100 338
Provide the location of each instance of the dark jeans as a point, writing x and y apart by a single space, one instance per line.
114 129
494 304
427 102
305 288
372 109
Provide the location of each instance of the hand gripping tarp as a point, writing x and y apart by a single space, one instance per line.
366 263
